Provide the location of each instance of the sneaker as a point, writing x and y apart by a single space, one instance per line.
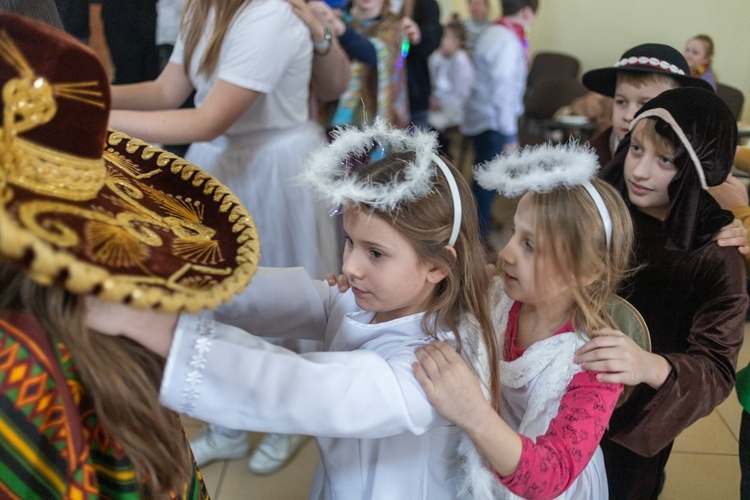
275 451
211 445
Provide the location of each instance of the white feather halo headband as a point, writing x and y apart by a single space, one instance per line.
327 172
544 168
540 169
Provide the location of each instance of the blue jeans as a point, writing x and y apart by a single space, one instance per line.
487 145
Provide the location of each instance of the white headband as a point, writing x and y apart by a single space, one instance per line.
326 170
603 212
455 195
543 168
667 117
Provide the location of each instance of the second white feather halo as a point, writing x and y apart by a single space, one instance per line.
539 169
326 170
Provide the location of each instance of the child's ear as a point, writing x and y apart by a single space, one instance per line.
437 272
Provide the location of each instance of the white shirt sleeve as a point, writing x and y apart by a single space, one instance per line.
508 76
260 45
281 302
223 375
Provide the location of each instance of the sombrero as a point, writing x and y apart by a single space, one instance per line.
645 58
94 210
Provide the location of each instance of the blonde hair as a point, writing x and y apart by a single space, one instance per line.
570 231
641 78
195 16
649 129
427 223
120 377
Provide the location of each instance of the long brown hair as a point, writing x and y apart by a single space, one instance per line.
195 15
120 377
427 223
571 234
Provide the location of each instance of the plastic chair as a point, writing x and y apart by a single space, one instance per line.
733 97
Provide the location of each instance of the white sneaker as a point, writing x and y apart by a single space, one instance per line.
211 445
275 451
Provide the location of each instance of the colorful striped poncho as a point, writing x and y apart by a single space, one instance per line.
376 91
52 444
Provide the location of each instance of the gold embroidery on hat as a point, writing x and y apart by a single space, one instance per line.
82 91
200 251
29 102
113 246
176 205
198 282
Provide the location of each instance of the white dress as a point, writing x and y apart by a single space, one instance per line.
378 435
452 78
268 49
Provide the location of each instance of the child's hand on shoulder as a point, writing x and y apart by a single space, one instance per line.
449 383
733 234
619 360
342 281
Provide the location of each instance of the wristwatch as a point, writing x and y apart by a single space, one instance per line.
322 48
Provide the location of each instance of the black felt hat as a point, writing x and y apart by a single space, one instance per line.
645 58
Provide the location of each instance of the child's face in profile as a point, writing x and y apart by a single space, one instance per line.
648 171
628 99
696 54
519 259
385 273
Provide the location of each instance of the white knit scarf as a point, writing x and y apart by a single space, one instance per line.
550 362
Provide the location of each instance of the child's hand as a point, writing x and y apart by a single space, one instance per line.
411 30
733 235
448 382
328 17
303 11
621 361
154 330
342 281
730 194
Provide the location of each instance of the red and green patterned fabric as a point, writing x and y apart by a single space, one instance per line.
52 444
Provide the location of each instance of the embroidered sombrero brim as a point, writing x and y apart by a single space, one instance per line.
159 234
98 212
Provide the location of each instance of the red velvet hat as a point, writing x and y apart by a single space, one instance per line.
645 58
96 211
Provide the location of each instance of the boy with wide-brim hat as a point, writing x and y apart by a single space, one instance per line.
641 74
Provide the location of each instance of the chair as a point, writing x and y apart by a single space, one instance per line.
546 64
544 97
733 97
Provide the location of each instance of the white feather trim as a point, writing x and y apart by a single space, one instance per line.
539 169
326 169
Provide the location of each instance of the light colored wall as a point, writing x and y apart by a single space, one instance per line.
599 31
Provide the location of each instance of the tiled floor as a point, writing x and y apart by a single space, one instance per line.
703 464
